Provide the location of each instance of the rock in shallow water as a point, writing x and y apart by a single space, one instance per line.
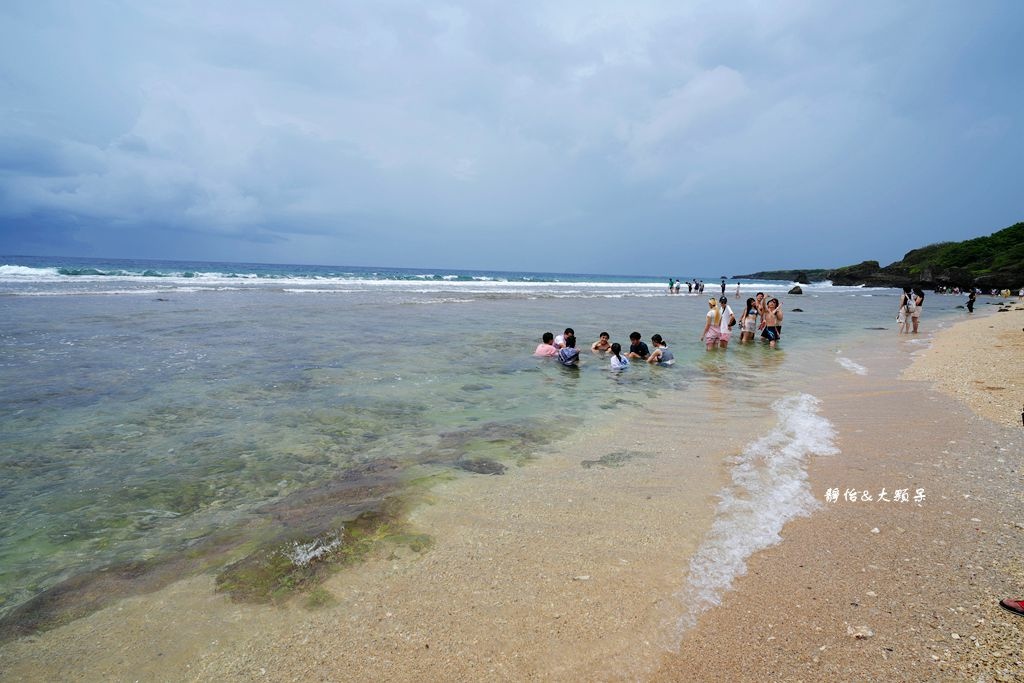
481 466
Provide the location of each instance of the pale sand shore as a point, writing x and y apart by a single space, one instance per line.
923 579
980 362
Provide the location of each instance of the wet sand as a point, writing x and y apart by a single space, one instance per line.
886 590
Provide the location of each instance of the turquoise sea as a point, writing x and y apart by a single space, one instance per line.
155 409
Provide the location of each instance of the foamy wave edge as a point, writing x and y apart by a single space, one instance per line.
769 487
851 365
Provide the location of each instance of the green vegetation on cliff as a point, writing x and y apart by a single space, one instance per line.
993 261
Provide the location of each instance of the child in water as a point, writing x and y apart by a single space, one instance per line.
661 355
618 361
569 355
602 344
546 348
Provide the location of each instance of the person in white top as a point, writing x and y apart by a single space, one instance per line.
560 339
726 323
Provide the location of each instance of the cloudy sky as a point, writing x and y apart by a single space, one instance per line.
670 138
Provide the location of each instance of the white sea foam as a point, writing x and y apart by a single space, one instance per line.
27 272
769 487
302 554
852 366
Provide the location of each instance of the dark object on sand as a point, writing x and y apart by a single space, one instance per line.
796 310
481 466
876 328
1015 606
796 290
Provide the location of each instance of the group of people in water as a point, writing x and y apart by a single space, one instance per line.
694 285
758 315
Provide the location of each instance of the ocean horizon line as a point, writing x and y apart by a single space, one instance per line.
28 265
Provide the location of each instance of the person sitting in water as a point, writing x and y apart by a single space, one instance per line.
560 339
546 348
602 344
569 355
637 349
617 360
661 354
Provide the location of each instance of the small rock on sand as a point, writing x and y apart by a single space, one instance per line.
859 632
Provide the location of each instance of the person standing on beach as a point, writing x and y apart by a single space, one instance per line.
905 311
689 287
670 287
970 301
679 287
915 316
723 286
737 290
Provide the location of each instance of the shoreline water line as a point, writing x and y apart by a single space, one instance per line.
769 487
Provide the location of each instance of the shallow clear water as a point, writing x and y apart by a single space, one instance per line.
138 424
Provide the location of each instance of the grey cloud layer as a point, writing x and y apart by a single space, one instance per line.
468 134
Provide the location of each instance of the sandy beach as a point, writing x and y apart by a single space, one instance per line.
885 590
533 580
